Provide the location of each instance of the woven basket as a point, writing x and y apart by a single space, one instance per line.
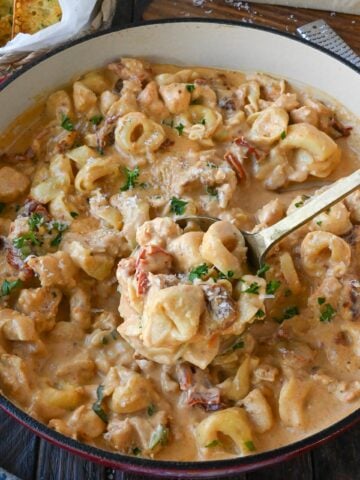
102 19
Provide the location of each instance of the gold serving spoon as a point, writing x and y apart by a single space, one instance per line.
260 243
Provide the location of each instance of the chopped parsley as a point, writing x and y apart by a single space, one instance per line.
283 135
136 451
168 123
198 272
237 345
67 124
97 407
262 270
290 312
224 276
260 313
7 287
96 119
190 87
212 191
74 214
211 165
321 300
319 223
180 129
131 177
2 207
159 436
23 243
253 288
151 409
34 221
213 443
272 286
178 206
110 337
301 203
202 121
249 444
287 292
60 227
327 313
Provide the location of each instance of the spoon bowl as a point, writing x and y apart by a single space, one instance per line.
260 243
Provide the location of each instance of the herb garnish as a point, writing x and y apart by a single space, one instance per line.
253 288
97 408
131 177
260 313
2 207
249 444
23 243
96 119
319 223
136 451
60 227
34 221
283 135
7 287
321 300
159 436
225 276
213 443
67 124
74 214
178 206
190 87
290 312
212 191
262 270
327 313
151 409
272 286
180 129
202 121
198 272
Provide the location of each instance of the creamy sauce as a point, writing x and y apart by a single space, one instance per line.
199 345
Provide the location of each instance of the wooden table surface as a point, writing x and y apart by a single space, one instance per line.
28 457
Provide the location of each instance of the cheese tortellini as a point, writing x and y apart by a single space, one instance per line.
128 324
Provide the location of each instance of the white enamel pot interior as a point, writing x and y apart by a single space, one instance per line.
203 43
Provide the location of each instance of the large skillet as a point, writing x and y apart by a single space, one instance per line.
219 44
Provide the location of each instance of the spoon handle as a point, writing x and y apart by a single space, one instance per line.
340 189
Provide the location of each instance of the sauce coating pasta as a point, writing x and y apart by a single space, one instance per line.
125 331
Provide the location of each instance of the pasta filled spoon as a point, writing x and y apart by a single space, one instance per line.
260 243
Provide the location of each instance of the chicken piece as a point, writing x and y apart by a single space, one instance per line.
14 378
41 305
78 370
131 68
271 213
157 232
12 184
55 269
151 103
17 327
176 97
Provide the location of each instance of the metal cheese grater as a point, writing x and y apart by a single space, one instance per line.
320 33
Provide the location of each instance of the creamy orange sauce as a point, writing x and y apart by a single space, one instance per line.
199 344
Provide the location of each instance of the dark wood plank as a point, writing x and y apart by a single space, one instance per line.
124 13
338 459
299 468
283 18
18 448
57 464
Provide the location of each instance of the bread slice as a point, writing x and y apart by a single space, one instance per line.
30 16
6 20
